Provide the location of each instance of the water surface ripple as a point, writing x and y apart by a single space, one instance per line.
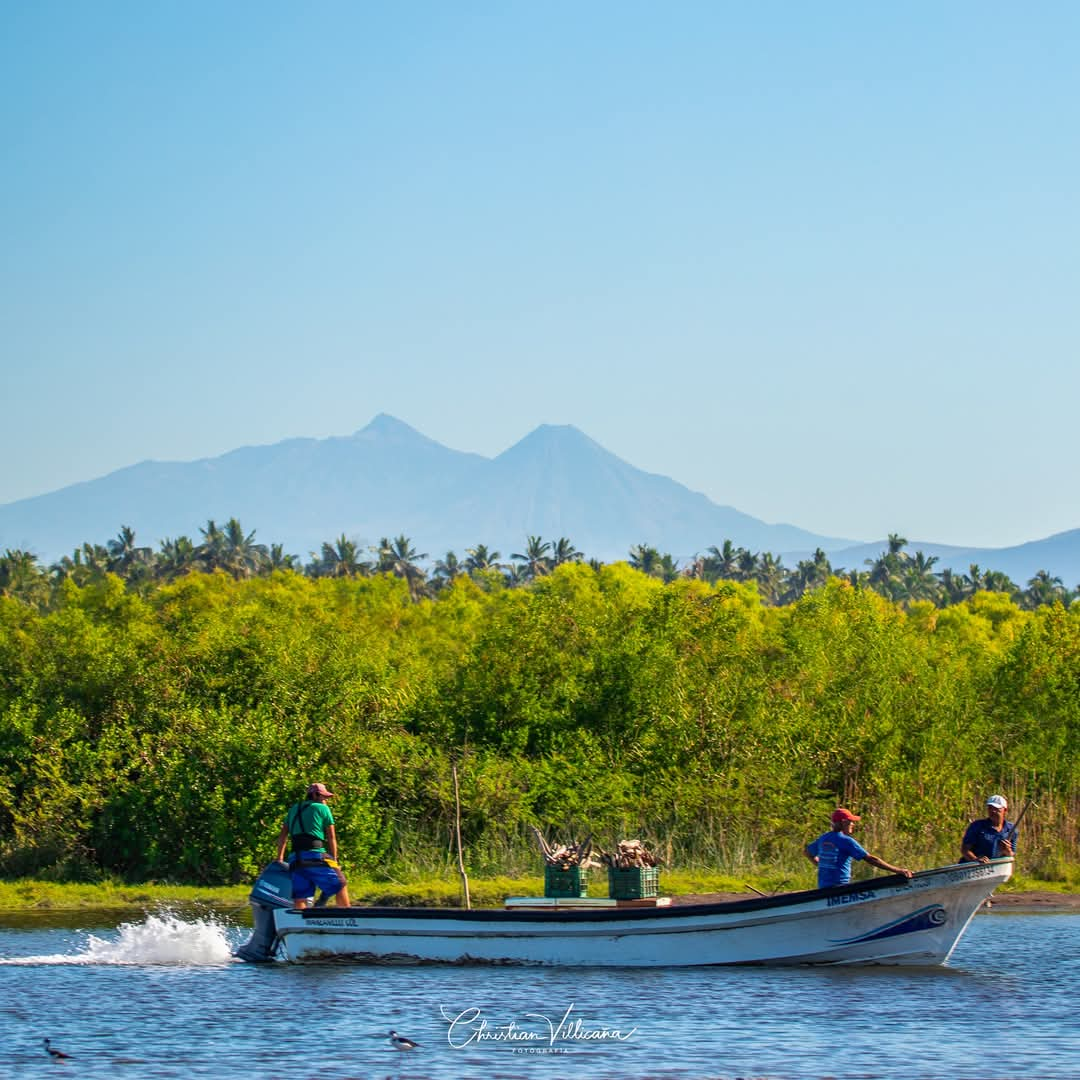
160 997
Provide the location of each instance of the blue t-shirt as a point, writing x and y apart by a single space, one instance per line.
982 838
834 851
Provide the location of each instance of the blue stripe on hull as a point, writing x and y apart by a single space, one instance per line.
927 918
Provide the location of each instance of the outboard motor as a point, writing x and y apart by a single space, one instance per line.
272 889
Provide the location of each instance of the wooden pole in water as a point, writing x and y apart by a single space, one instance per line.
457 830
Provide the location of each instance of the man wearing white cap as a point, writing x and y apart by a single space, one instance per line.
990 837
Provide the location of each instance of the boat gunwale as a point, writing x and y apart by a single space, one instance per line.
634 914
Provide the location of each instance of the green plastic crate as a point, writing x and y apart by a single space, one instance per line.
562 883
635 883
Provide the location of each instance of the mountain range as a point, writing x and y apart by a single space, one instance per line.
389 479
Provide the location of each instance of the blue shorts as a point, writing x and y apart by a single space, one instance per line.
323 875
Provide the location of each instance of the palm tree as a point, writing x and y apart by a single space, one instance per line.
211 552
448 569
887 571
96 558
770 575
809 574
747 567
175 558
562 551
800 581
535 559
124 556
278 560
920 580
998 581
85 564
858 579
69 568
646 559
955 588
722 562
341 559
1043 589
882 569
822 567
514 576
241 555
383 559
479 558
21 578
399 557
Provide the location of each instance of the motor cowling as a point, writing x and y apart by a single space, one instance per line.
273 887
272 890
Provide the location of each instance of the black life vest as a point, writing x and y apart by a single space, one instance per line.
301 840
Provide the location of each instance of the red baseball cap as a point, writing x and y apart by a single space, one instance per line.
841 814
320 789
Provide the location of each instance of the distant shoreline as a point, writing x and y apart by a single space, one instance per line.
1024 902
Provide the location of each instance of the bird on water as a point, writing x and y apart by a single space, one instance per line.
56 1055
399 1042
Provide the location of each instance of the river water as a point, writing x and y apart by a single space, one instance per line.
160 996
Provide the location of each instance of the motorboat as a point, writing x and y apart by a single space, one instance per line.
883 920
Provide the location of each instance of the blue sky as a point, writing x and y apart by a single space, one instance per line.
817 261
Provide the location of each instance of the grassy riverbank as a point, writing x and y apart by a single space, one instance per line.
30 895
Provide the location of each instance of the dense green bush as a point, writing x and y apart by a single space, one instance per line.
161 734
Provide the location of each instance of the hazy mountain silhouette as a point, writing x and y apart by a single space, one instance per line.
558 482
388 479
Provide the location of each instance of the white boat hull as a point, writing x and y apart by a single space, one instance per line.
880 921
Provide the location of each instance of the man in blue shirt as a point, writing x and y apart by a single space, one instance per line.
833 852
991 837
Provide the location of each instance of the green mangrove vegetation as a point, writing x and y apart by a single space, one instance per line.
154 727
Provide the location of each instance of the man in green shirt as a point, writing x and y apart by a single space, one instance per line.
309 825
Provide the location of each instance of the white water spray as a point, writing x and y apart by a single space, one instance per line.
165 938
